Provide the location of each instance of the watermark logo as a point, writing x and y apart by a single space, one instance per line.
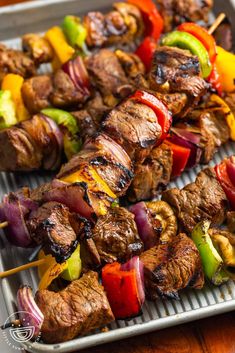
16 332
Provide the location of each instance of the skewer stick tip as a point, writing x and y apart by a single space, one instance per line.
216 23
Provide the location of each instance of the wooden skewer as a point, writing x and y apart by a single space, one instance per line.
3 225
216 23
22 268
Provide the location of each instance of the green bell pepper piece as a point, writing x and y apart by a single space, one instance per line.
7 110
61 117
186 40
74 31
211 260
74 269
72 141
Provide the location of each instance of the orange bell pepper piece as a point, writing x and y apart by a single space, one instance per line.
225 63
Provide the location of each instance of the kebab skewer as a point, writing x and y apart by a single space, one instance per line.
160 260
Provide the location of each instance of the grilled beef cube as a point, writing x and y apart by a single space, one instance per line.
175 102
65 93
116 236
131 64
30 145
76 310
108 76
171 267
109 160
230 221
50 225
87 126
38 48
177 70
120 26
153 173
175 12
36 93
97 108
15 62
224 36
203 199
134 126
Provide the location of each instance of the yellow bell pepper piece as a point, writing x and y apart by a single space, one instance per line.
89 175
95 184
49 260
230 118
57 39
13 83
225 63
52 272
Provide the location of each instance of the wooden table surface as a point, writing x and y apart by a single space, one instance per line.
212 335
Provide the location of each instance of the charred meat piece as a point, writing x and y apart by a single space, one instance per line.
223 35
109 160
97 108
108 76
87 126
31 144
203 199
175 102
15 62
131 64
230 220
116 236
38 48
175 12
121 26
177 70
65 93
171 267
79 308
36 93
50 225
153 173
134 126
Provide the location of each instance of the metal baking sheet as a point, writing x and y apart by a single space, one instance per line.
193 304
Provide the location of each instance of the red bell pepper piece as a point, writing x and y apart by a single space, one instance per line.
145 52
225 182
163 115
122 291
201 34
152 18
215 80
180 158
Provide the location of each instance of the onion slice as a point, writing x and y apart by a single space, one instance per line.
77 72
144 225
13 209
30 314
74 196
136 264
185 138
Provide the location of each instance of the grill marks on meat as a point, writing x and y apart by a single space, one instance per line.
29 145
109 160
203 199
135 127
169 268
108 76
50 225
153 173
175 12
121 26
116 237
81 307
176 70
16 62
